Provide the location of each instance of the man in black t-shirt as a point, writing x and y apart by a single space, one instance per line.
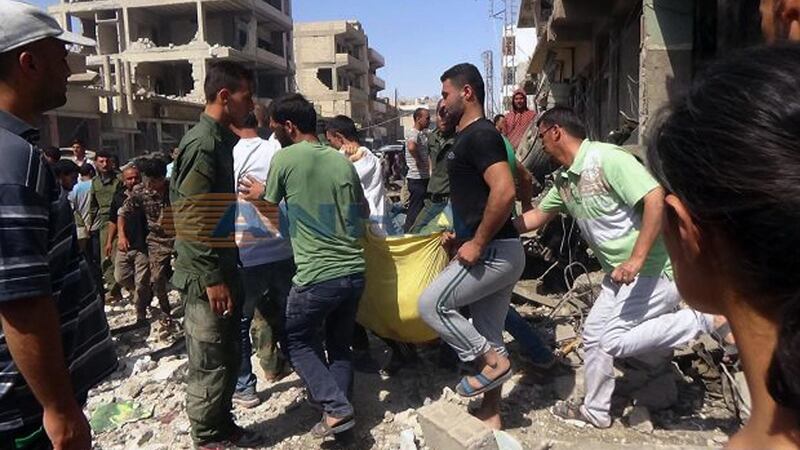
490 258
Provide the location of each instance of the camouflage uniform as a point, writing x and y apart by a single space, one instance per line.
202 193
160 236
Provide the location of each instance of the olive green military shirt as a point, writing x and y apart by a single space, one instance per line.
203 197
439 183
101 194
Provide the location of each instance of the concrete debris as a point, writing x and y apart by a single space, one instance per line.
390 411
142 365
142 44
570 387
565 332
638 418
408 440
449 427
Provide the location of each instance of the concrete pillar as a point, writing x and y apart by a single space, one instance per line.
107 83
128 87
665 67
118 71
199 77
55 138
159 134
201 22
252 35
126 29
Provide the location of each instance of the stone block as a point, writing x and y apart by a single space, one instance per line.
446 426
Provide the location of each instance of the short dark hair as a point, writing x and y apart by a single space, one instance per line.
497 118
64 167
102 154
564 117
52 152
77 141
87 170
152 167
250 122
225 75
466 74
343 125
294 108
418 113
7 61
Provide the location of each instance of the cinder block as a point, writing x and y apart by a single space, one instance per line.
447 426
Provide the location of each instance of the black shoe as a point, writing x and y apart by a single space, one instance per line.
246 438
246 399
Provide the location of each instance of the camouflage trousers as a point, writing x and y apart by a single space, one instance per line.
159 252
266 288
132 271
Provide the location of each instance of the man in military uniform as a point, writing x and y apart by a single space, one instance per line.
151 198
438 195
104 186
202 193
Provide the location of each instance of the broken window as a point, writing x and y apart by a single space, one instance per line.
325 75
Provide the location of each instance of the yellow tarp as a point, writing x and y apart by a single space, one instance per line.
398 271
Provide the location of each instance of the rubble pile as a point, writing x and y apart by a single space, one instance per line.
663 402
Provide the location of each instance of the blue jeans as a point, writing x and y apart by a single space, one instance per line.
324 310
266 288
527 338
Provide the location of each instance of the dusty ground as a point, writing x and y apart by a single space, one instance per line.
387 406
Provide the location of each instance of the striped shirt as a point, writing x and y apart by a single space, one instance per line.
39 257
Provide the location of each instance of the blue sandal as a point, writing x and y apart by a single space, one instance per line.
465 390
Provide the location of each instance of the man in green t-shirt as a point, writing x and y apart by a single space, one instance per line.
619 208
327 214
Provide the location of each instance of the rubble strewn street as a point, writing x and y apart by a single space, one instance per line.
669 403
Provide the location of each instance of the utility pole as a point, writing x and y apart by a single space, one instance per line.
488 76
508 49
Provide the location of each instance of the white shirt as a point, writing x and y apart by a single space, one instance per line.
423 172
371 177
259 240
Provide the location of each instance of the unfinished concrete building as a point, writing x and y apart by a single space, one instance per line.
336 69
154 53
618 61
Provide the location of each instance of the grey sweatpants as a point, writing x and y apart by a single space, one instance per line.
486 288
632 320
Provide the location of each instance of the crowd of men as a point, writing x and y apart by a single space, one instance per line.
290 256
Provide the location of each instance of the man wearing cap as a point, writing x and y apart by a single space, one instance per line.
55 339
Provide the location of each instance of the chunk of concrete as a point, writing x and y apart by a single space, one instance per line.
639 419
446 426
570 387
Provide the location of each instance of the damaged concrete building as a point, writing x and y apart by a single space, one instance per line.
618 61
337 71
154 53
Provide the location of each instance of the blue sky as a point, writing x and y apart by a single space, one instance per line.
418 38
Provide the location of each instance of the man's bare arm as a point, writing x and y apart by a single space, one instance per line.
498 206
652 219
533 220
31 329
525 189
